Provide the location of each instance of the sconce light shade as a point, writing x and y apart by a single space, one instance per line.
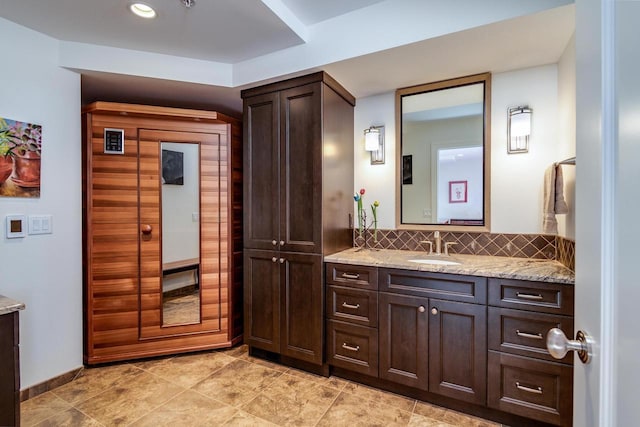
371 137
374 143
518 129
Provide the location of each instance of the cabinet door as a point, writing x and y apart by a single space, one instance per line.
403 340
458 350
301 310
301 169
9 370
261 171
262 299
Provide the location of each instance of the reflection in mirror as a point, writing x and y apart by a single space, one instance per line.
180 233
444 146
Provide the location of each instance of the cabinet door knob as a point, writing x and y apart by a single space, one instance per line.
274 259
146 229
281 242
274 242
421 309
434 311
281 260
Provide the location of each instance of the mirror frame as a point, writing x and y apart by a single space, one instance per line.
428 87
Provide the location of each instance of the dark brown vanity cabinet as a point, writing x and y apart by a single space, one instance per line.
298 164
352 318
422 330
471 339
9 369
523 378
428 341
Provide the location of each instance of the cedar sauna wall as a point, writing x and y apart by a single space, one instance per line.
123 266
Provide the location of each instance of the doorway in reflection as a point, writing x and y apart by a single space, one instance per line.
181 292
459 180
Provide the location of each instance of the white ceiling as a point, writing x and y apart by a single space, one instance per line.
313 11
370 46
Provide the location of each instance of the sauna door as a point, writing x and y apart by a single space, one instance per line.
180 242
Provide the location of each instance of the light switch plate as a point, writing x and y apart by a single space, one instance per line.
40 224
16 226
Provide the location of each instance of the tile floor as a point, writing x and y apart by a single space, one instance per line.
226 388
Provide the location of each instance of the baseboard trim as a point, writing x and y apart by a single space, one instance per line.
50 384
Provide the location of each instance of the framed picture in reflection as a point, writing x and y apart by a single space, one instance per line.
457 191
407 170
172 167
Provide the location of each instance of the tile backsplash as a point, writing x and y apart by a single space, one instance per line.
536 246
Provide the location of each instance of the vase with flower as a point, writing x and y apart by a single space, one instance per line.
363 227
20 147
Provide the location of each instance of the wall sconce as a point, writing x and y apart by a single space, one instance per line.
374 142
518 129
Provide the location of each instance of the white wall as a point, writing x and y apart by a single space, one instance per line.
378 180
516 179
45 272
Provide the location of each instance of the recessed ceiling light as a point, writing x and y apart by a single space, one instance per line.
143 10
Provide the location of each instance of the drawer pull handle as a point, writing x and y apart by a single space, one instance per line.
536 297
350 347
347 305
537 336
537 390
350 276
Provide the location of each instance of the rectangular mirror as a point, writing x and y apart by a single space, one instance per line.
180 178
443 141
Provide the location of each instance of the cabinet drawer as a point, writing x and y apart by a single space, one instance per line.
352 347
536 296
434 285
355 276
530 388
525 333
353 305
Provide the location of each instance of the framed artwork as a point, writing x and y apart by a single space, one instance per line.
20 151
457 191
172 167
407 170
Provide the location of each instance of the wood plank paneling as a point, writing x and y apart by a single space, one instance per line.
123 294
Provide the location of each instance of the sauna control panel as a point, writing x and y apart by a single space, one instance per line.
113 141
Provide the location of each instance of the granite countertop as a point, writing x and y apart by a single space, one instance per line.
538 270
7 305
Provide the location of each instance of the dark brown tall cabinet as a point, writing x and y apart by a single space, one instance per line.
298 169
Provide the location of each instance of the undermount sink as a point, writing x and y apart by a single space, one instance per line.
435 261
